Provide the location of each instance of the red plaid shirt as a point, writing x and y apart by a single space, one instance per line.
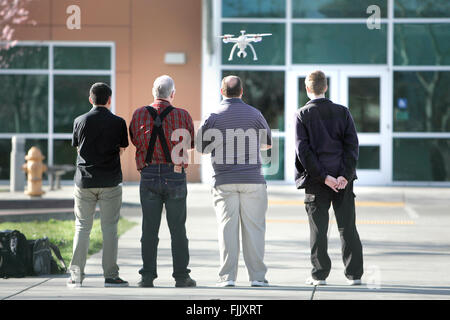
140 131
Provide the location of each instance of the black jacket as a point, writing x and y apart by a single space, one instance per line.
326 143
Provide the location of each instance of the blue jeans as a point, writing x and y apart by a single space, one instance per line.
161 185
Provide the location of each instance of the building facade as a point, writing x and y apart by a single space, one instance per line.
387 60
121 42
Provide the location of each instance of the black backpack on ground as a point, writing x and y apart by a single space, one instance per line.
15 256
20 257
42 259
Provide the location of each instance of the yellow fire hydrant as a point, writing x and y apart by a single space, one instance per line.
34 168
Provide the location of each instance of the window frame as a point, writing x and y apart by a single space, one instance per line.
212 69
51 136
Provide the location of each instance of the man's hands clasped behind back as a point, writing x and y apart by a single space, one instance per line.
336 184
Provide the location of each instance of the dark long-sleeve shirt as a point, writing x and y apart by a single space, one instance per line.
326 142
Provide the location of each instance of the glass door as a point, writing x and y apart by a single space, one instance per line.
296 98
365 93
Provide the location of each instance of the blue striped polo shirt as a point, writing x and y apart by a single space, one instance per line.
233 135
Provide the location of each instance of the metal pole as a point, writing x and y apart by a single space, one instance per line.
17 176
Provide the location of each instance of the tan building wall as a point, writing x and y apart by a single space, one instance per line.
143 31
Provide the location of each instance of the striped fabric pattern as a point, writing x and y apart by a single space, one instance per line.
243 165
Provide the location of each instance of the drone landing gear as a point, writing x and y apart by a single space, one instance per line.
232 52
242 53
255 58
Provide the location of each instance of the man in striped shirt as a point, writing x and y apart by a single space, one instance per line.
238 132
163 179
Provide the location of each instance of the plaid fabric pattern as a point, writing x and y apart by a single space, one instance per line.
140 131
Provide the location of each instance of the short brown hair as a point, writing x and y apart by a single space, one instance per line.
316 81
231 86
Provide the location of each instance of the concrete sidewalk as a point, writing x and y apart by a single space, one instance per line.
404 233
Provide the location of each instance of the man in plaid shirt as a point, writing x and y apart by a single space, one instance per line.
163 179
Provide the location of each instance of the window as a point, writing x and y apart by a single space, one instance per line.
98 58
64 153
24 103
5 147
264 90
344 43
422 44
364 103
270 53
421 159
421 8
40 102
408 58
254 8
71 99
369 157
421 101
24 57
273 160
303 96
335 8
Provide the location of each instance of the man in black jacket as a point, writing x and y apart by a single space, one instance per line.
326 156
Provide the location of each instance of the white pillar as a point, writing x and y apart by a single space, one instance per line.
17 175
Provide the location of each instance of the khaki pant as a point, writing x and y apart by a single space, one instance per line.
245 205
110 201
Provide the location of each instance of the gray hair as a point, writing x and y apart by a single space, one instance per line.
163 87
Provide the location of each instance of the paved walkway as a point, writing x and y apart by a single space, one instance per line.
404 233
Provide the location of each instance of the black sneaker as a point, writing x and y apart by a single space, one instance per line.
115 282
146 283
186 282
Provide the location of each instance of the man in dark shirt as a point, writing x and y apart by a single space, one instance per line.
100 138
326 156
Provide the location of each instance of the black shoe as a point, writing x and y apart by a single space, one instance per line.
115 282
146 283
186 282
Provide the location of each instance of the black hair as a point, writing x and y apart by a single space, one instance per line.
100 93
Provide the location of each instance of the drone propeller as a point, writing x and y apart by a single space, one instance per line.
227 36
259 35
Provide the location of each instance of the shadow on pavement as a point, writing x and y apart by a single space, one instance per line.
399 289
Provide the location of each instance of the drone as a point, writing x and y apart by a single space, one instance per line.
242 42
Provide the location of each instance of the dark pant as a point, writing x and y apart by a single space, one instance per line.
161 185
318 198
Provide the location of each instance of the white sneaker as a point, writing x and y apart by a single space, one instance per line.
356 282
72 284
226 283
315 282
256 283
75 279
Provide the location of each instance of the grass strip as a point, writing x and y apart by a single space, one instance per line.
61 233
